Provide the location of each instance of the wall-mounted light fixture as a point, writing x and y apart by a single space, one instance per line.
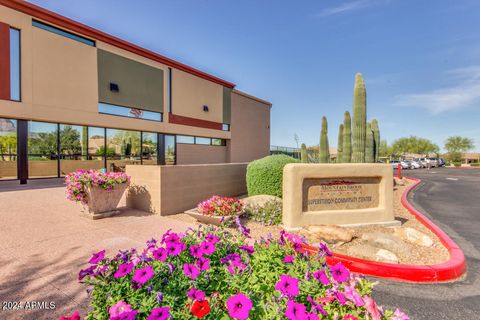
205 108
114 87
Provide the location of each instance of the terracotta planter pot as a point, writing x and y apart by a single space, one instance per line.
215 220
101 203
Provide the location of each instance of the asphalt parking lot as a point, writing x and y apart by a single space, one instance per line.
450 197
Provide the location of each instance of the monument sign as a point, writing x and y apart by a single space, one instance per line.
341 194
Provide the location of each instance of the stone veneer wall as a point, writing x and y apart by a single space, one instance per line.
167 190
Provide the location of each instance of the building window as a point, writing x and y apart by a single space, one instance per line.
149 148
201 140
170 150
186 139
111 109
8 149
225 127
96 147
14 64
64 33
218 142
123 147
42 149
170 90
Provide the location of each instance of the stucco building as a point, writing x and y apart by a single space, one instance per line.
73 97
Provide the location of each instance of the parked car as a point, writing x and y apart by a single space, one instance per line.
405 164
441 162
415 164
433 162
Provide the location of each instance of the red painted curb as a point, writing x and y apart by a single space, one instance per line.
450 270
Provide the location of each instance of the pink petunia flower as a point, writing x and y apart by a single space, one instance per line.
143 275
195 294
288 259
239 306
321 276
349 317
159 314
190 270
123 270
372 308
248 249
212 238
295 311
196 251
203 264
311 316
97 257
399 315
288 285
208 247
340 273
352 294
119 308
160 254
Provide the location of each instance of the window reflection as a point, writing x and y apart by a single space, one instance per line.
42 149
149 148
123 147
170 150
8 149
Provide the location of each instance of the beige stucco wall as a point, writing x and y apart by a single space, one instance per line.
191 93
200 154
168 190
250 128
59 84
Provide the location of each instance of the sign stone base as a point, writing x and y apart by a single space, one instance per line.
340 194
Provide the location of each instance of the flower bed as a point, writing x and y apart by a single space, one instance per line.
212 274
220 206
79 181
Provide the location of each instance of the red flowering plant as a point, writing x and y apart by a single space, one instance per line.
220 206
210 273
79 181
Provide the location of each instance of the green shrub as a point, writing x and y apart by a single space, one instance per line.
264 176
475 164
268 214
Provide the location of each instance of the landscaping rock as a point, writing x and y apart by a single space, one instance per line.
259 200
399 182
387 241
369 252
414 236
330 233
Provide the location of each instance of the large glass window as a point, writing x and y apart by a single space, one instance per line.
42 149
200 140
170 150
129 112
186 139
73 148
96 147
14 64
64 33
8 149
123 147
149 148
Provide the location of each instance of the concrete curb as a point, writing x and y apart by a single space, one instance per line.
447 271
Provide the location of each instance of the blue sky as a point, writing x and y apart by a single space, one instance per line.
420 59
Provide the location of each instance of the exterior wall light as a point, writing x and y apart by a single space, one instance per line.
114 87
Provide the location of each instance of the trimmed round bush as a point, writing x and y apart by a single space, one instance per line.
264 176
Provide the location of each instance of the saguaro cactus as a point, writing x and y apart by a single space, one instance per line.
303 153
359 119
376 138
340 144
347 138
369 145
324 154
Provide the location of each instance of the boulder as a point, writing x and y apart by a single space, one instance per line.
414 236
259 200
369 252
387 241
329 233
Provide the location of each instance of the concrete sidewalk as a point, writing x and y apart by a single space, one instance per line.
44 242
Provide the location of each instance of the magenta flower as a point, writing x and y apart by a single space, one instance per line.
160 254
86 272
399 315
340 273
321 276
159 314
174 249
352 294
239 306
195 294
297 246
288 285
129 315
143 275
295 311
190 270
123 270
212 238
119 308
288 259
311 316
97 257
340 297
203 264
372 308
196 251
323 249
247 249
207 247
349 317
